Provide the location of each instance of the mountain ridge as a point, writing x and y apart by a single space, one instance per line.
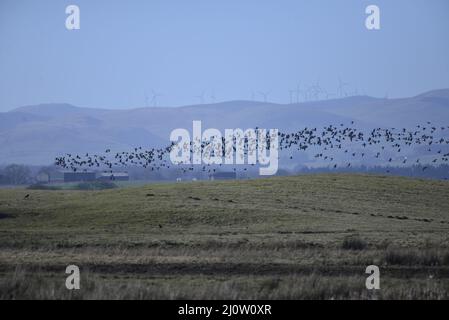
37 134
32 108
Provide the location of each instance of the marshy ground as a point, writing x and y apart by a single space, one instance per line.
304 237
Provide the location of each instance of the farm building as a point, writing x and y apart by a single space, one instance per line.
56 176
114 176
49 176
223 176
79 176
43 177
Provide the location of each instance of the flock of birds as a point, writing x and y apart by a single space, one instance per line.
335 145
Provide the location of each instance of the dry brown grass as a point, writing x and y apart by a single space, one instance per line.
308 237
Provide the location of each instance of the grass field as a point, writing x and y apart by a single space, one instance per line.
305 237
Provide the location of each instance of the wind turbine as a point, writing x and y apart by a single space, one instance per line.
298 92
213 97
316 89
253 96
146 100
386 98
327 94
291 92
155 97
307 92
264 95
201 97
341 86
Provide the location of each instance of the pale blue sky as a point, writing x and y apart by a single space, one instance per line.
232 48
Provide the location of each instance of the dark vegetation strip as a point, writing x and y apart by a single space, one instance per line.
234 269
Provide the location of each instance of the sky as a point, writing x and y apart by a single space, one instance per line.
125 51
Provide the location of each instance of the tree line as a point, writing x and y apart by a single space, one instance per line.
15 174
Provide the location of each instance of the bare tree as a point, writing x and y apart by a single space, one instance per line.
17 174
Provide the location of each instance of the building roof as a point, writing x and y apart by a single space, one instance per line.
224 174
115 174
78 172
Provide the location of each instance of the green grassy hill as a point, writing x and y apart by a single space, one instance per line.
285 237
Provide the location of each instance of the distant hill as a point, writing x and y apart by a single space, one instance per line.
36 134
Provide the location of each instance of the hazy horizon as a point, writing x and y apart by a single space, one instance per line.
217 102
229 50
